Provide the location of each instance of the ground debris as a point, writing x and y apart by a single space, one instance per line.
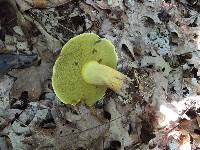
10 61
158 45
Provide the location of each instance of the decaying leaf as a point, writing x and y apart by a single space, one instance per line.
157 43
28 4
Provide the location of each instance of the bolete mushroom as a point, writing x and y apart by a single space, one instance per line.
85 69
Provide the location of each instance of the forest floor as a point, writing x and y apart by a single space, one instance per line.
158 46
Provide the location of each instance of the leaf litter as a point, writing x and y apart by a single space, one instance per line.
158 46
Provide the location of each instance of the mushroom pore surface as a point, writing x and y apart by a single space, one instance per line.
67 81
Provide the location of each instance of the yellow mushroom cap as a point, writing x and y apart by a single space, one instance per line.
67 81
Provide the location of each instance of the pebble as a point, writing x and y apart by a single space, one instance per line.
18 30
42 114
49 96
22 45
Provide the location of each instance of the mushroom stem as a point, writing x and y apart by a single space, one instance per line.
98 74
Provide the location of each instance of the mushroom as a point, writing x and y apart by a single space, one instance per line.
85 69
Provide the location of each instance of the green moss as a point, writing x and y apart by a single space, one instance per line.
67 81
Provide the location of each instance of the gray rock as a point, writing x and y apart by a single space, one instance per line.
158 62
46 103
16 141
2 112
5 131
159 41
6 84
3 145
88 23
43 118
11 113
42 114
49 96
22 45
20 129
27 116
18 30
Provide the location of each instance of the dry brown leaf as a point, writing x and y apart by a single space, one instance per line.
40 3
198 120
184 137
31 80
196 137
28 4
